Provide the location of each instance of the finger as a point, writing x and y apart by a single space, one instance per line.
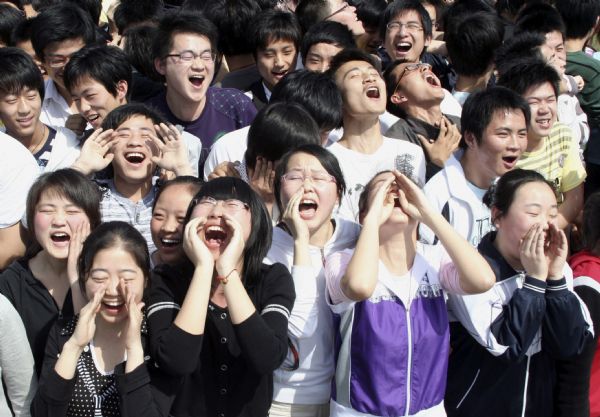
233 224
540 240
526 241
257 168
426 143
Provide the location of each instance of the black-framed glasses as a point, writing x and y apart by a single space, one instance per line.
410 68
188 56
318 178
231 205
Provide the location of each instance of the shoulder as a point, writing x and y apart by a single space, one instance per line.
16 274
229 100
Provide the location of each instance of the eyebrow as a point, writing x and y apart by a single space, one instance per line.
106 270
357 69
537 205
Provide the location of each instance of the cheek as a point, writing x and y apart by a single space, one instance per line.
41 223
75 221
92 287
155 226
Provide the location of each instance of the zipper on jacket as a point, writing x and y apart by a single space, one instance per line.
525 389
409 360
469 389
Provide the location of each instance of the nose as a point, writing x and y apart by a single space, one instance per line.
217 210
83 105
112 285
59 218
170 224
23 106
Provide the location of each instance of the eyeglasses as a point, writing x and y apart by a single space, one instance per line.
189 56
340 10
231 205
421 66
410 26
58 61
319 179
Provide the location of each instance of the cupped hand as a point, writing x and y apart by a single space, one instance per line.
193 245
532 253
86 324
233 254
291 217
557 250
412 199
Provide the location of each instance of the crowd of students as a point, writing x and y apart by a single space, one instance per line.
300 208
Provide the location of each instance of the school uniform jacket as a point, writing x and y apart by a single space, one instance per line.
506 341
228 370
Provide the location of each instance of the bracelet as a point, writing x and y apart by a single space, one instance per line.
225 279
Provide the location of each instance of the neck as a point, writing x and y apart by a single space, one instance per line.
473 174
362 134
431 114
54 269
575 45
321 236
64 93
397 251
534 142
184 109
505 249
472 84
136 191
238 62
110 333
34 141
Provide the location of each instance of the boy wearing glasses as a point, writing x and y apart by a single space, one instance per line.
185 54
415 95
56 34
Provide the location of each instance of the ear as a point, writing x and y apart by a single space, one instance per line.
469 139
159 64
122 88
398 98
427 41
496 217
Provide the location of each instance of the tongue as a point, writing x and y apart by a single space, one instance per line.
60 238
307 211
196 81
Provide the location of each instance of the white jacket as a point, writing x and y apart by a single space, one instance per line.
310 326
449 193
65 150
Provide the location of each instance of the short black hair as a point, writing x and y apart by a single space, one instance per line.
348 55
370 12
509 8
21 32
134 12
39 5
316 92
138 44
106 64
311 12
398 7
539 17
579 16
185 21
9 19
192 183
326 159
259 241
390 86
67 183
460 9
18 71
501 194
278 128
17 3
480 107
275 25
92 7
114 234
327 31
529 73
472 41
233 19
60 23
522 46
118 116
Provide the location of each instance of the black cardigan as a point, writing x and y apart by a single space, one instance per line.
229 369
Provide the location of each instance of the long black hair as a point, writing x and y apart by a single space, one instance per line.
261 232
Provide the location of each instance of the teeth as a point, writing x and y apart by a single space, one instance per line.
170 241
59 234
196 77
134 154
214 229
306 201
94 117
113 304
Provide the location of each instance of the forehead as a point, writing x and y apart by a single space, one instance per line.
554 38
64 47
190 41
279 43
353 65
536 192
137 121
301 159
86 82
324 49
513 119
406 16
541 90
53 195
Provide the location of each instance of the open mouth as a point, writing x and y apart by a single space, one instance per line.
307 208
92 117
509 161
373 92
432 80
215 236
279 74
113 307
135 157
543 123
196 80
60 237
403 47
170 243
397 203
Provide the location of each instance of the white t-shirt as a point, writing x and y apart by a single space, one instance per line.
230 147
18 171
359 168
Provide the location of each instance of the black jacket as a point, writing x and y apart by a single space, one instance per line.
228 370
522 330
35 305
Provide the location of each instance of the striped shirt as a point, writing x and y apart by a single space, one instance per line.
557 160
115 206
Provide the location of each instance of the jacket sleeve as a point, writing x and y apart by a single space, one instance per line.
263 336
506 329
567 326
16 360
145 394
54 392
175 351
304 316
